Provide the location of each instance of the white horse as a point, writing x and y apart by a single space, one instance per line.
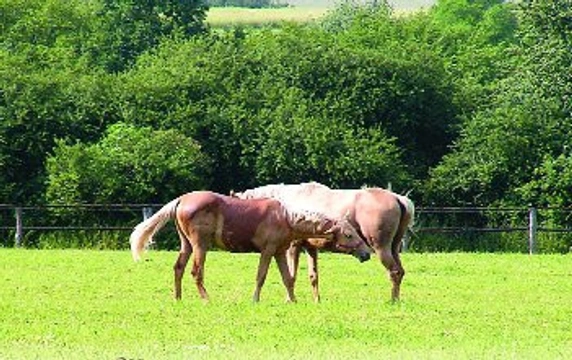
380 216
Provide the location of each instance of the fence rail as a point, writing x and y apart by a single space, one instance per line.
122 217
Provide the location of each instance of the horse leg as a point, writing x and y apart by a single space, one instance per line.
396 246
397 275
181 263
293 257
394 268
313 271
263 265
199 256
398 271
287 278
179 269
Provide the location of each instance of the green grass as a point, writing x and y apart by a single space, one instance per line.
302 13
227 16
77 304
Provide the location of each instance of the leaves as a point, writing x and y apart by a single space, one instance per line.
463 101
505 149
128 165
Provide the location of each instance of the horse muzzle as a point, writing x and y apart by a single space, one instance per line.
362 256
357 249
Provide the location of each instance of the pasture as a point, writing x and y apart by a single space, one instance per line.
227 16
239 16
300 11
101 305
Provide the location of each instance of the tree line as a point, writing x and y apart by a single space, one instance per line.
466 103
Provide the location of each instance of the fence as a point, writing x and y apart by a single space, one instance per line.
429 220
113 217
532 221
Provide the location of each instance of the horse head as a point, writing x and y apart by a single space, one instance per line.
349 240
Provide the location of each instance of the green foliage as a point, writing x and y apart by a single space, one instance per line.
349 12
128 165
295 146
507 242
547 18
473 37
470 241
289 99
107 33
528 121
396 79
188 85
346 84
36 26
128 28
39 105
551 183
49 88
493 154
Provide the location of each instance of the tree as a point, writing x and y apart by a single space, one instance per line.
297 144
54 82
391 77
127 28
473 37
529 123
128 165
40 104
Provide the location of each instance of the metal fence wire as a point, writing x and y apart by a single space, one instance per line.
18 221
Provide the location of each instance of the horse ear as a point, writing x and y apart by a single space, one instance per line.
328 226
346 217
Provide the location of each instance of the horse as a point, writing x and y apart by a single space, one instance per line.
380 216
204 219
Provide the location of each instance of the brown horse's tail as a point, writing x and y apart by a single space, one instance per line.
143 233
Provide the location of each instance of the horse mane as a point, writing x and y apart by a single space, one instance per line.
279 191
306 221
266 191
302 219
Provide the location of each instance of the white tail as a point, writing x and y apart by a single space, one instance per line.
409 208
143 233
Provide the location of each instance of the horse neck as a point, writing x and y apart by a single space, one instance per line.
308 223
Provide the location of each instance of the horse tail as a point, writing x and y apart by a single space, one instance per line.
143 233
409 209
405 221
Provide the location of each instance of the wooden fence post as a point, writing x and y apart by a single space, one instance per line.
19 227
532 229
147 212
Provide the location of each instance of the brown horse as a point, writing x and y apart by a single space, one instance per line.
381 216
204 219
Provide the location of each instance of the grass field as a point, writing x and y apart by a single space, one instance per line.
302 11
227 16
232 16
100 305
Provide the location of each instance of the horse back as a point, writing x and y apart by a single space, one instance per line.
232 224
